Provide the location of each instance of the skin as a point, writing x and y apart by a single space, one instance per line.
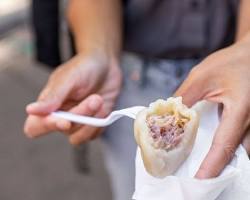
224 77
90 82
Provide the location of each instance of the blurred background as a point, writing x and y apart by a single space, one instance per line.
46 168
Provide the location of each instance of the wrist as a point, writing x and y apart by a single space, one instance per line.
244 40
104 56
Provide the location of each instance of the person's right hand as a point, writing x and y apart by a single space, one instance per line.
86 85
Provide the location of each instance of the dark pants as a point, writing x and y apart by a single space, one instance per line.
45 19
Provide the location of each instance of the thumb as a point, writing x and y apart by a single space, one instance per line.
193 88
50 99
227 138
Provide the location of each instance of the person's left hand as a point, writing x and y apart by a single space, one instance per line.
223 77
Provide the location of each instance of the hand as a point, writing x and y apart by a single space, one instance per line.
223 77
84 85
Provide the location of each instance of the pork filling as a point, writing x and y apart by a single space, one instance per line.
166 130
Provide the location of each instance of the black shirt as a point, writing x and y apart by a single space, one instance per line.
178 28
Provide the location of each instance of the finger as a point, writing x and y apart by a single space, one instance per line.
51 98
36 126
89 107
62 125
97 133
227 138
193 88
84 134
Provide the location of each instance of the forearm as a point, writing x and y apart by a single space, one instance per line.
243 26
96 26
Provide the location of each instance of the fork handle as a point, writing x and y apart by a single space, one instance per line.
80 119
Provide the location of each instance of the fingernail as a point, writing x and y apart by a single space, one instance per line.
94 105
33 106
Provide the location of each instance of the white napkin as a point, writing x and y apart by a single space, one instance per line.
232 184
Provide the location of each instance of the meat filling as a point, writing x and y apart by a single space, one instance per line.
166 130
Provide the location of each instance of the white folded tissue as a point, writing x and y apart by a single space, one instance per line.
232 184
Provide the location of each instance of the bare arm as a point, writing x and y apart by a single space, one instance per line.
243 26
96 25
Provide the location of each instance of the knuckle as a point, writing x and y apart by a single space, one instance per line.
195 71
204 170
241 113
227 150
46 94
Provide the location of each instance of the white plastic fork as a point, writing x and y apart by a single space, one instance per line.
99 122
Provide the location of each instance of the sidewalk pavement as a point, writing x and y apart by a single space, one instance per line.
40 169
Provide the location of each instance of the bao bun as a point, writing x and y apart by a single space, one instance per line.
157 161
